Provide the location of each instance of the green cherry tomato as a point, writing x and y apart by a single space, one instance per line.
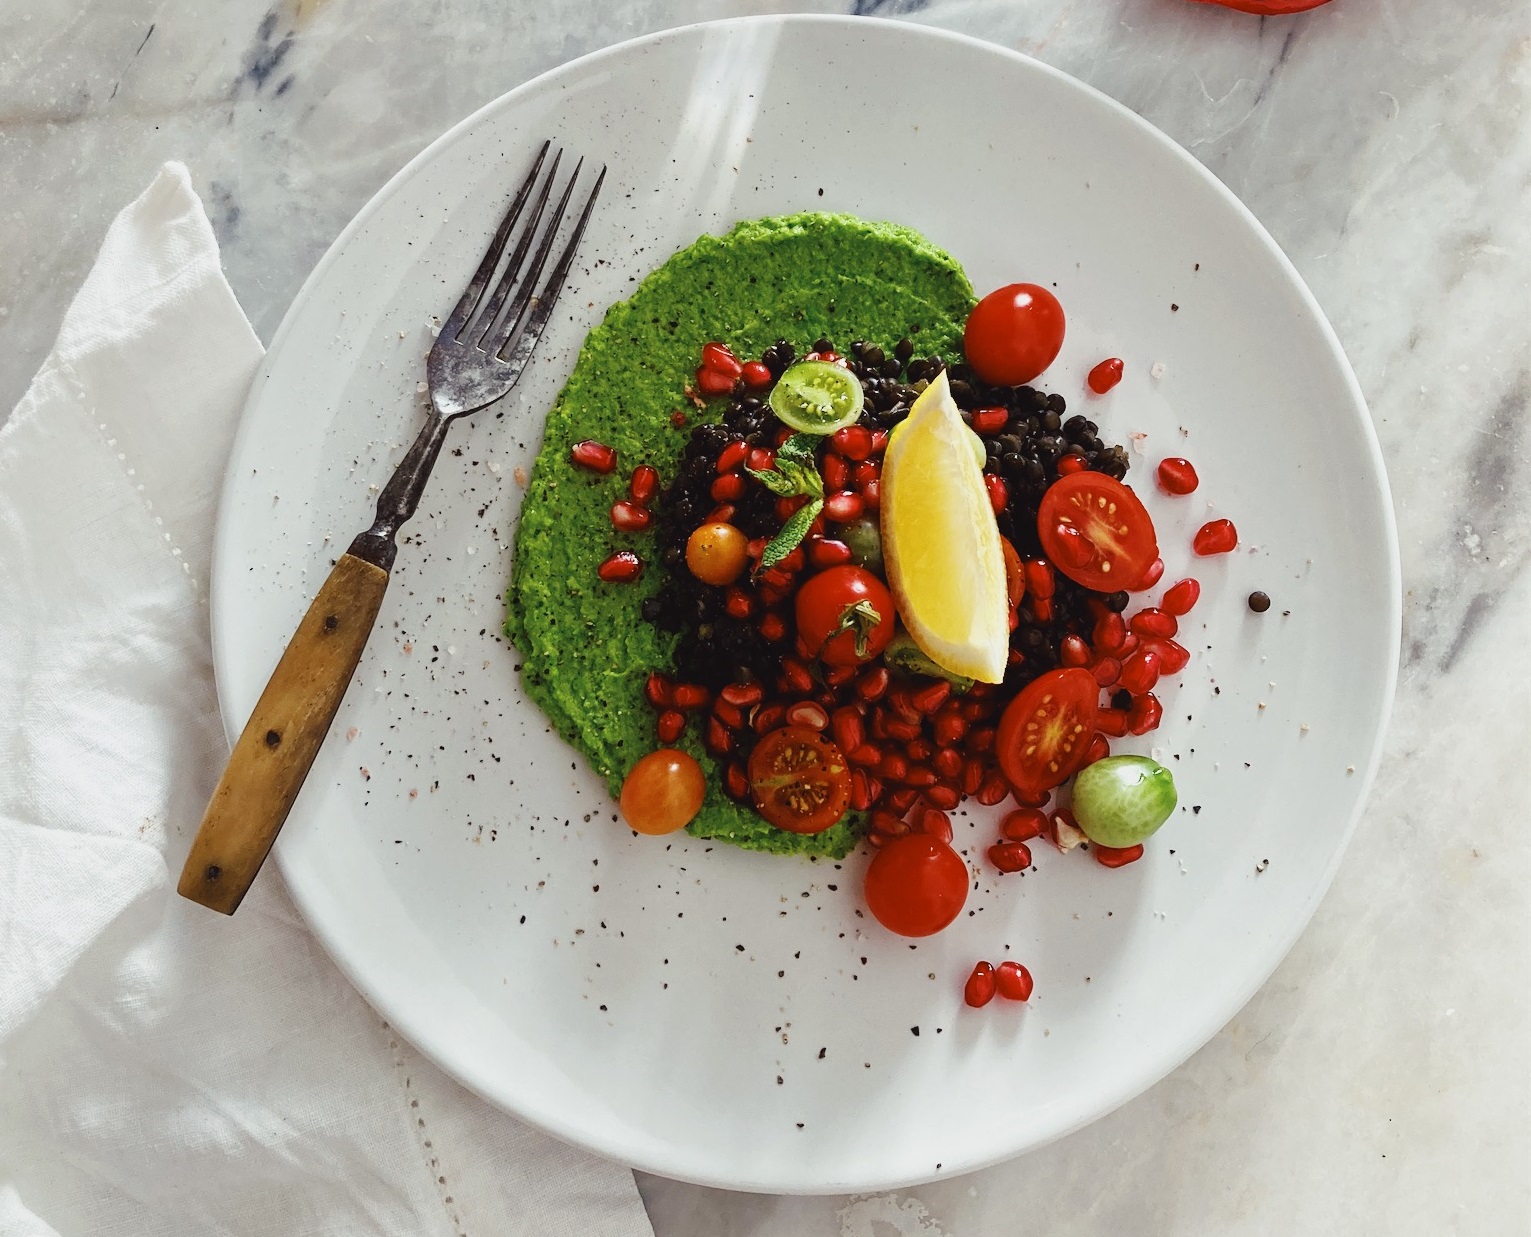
1121 800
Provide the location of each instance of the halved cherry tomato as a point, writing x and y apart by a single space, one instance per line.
799 780
1267 8
1044 735
663 792
1088 511
845 615
1013 334
916 885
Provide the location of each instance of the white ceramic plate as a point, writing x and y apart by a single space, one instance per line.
730 1018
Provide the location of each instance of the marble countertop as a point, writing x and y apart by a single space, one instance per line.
1379 1082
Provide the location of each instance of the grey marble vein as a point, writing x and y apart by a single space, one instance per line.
1379 1082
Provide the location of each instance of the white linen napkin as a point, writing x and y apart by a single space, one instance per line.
164 1070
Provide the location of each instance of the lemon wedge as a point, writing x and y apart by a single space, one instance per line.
940 541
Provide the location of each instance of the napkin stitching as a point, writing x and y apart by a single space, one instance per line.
422 1137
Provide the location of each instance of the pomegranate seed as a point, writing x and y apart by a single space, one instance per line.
901 800
1151 577
642 485
868 755
659 690
1107 670
947 762
596 456
893 767
950 729
786 507
876 840
836 472
873 683
999 492
864 473
1117 856
1040 581
719 741
784 433
1154 622
987 421
1112 722
807 713
839 676
1010 856
720 357
902 730
972 708
742 695
670 725
1013 981
723 513
1145 714
1173 656
900 700
1074 651
732 456
1105 375
1140 672
761 459
973 772
1177 476
980 740
736 782
769 718
844 506
871 494
1063 830
797 676
772 626
944 797
874 785
845 722
1130 644
714 382
1180 598
629 517
1042 609
934 822
879 441
1023 824
928 699
854 442
1215 537
691 696
861 790
827 552
793 561
1110 633
1072 546
1070 464
731 715
757 375
1099 749
833 358
678 419
980 987
727 488
1030 798
621 568
919 748
887 823
993 789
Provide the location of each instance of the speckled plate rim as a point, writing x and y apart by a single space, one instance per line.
1151 1070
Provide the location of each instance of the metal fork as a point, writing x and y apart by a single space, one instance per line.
481 352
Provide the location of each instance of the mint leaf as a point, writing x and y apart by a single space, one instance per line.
792 533
798 449
777 482
791 477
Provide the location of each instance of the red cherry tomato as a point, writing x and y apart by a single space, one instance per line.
845 615
1013 334
1045 733
1267 8
799 780
916 885
1090 510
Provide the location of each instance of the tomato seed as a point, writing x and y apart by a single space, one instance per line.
1105 375
669 725
1179 598
1010 856
596 456
1117 856
1013 981
621 568
1215 537
1176 476
980 987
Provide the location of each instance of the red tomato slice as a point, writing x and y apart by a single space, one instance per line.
1045 733
800 780
1096 532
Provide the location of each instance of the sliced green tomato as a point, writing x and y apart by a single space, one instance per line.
817 397
1121 800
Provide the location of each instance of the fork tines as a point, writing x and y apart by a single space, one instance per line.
483 318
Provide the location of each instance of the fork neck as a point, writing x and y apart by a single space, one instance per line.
399 498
